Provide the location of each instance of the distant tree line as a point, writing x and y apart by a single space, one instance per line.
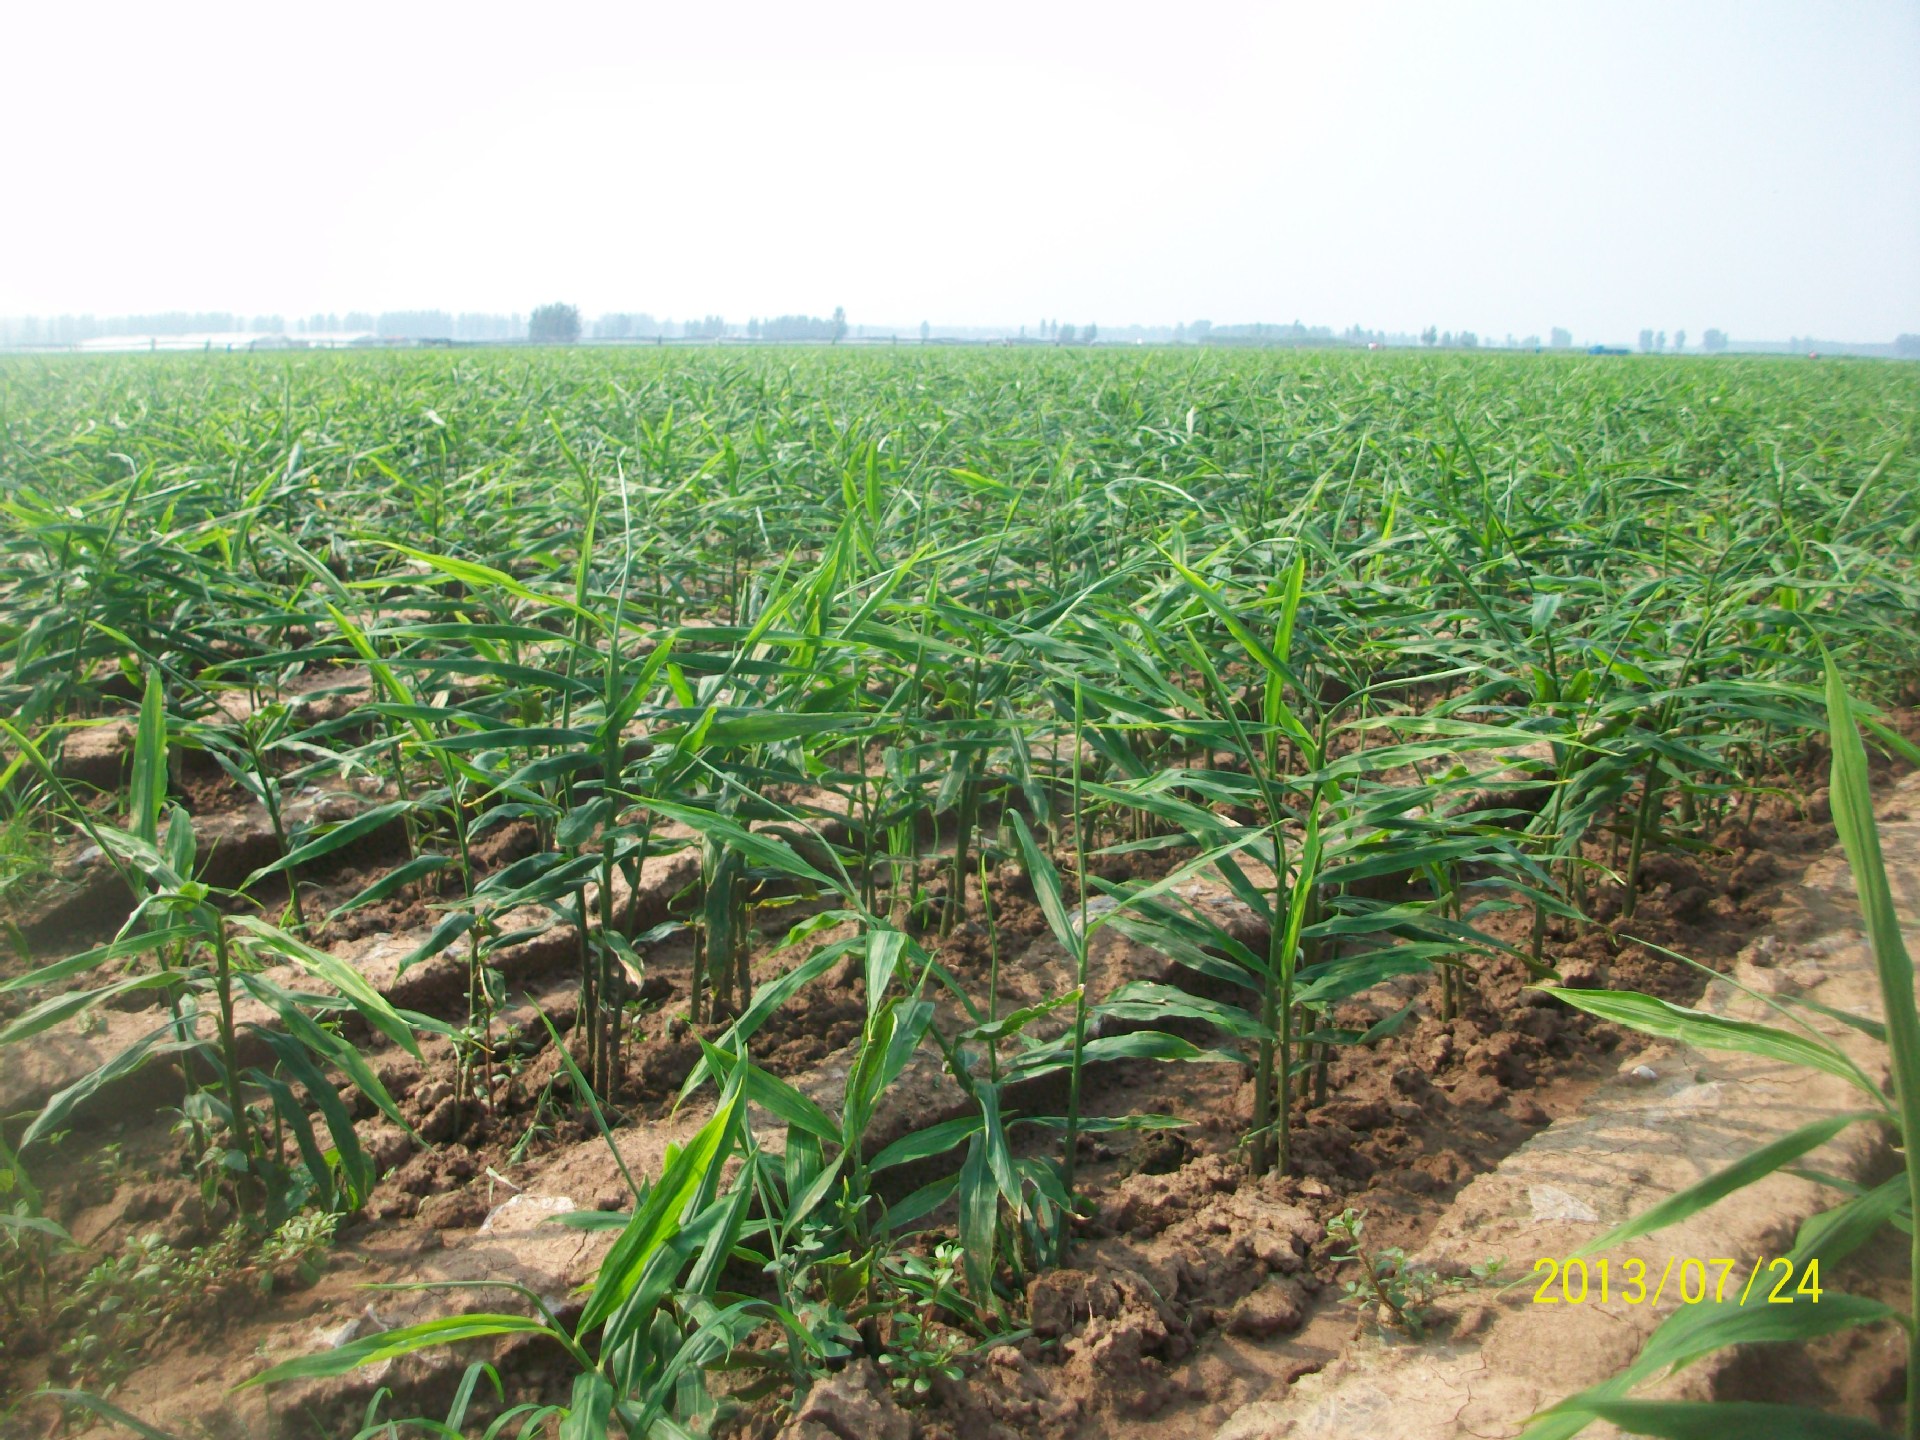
1067 334
626 325
1296 333
475 326
554 324
436 325
72 329
800 327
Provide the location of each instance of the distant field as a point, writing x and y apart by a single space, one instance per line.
368 714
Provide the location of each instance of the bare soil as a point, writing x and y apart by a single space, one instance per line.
1193 1287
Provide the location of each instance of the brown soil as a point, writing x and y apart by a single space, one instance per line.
1193 1287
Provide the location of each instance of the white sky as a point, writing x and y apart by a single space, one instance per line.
1497 167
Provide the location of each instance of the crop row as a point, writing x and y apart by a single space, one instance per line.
1382 649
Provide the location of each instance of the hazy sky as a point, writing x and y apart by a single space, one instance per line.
1496 167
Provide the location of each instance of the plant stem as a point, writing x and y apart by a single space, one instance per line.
1080 978
229 1048
1642 824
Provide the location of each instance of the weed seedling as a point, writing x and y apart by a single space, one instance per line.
1403 1295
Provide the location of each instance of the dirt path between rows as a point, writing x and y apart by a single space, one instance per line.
1673 1116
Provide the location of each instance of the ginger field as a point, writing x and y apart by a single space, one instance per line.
939 892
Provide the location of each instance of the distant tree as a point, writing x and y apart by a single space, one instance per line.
554 324
1065 334
618 326
1532 342
1907 347
1092 334
839 323
1560 338
1199 330
753 328
926 331
1660 341
802 327
1430 336
1679 340
1713 341
1469 340
415 324
1646 342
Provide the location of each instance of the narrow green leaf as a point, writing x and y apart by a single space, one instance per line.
1730 1420
1652 1016
149 784
1737 1176
337 838
372 1349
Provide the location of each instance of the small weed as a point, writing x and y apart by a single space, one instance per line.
1403 1295
126 1301
920 1347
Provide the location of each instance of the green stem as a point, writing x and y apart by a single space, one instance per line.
1261 1158
1642 823
229 1047
1080 1002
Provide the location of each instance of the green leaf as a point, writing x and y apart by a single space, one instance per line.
1834 1234
979 1220
868 1076
1653 1016
149 783
328 1046
450 1330
450 929
589 1409
584 1090
1852 798
34 1224
338 837
1147 1000
884 948
135 944
1015 1021
658 1218
1692 1331
373 1006
392 882
1696 1330
1730 1420
56 1008
1139 1045
485 577
1046 888
921 1203
1872 1029
925 1144
766 850
86 1400
1737 1176
767 999
773 1094
53 1115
